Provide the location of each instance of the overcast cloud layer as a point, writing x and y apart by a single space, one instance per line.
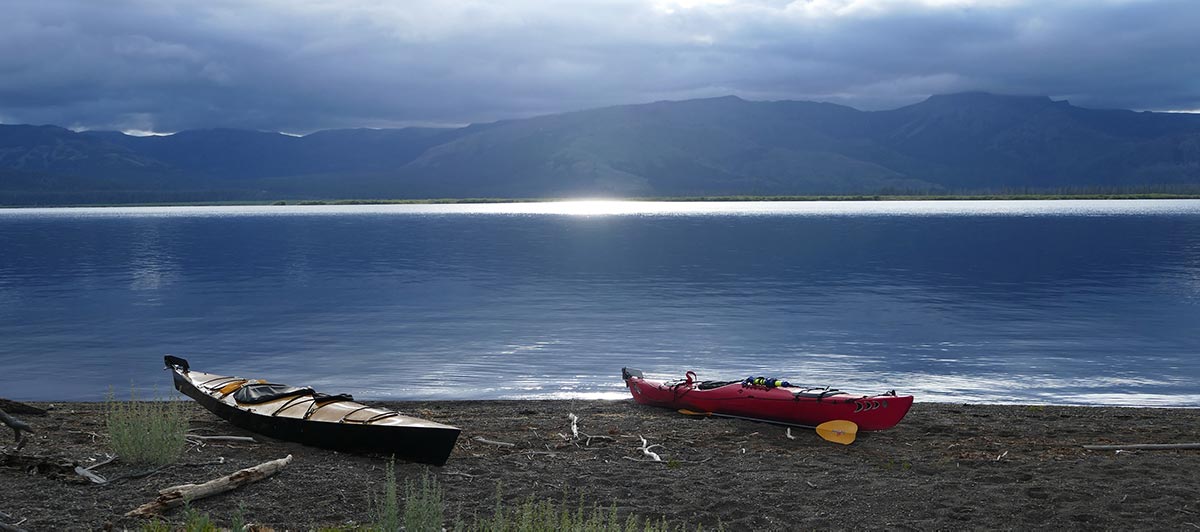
303 65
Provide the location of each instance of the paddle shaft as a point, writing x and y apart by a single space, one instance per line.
731 416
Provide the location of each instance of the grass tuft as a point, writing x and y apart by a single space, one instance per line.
157 525
423 504
197 521
146 432
387 517
424 510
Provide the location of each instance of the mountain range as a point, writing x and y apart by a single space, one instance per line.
956 143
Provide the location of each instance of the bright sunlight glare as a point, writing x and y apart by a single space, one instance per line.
594 207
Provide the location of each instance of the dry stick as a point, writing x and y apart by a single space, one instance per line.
604 438
177 495
138 474
109 458
222 438
646 449
220 460
1145 446
481 439
88 474
7 527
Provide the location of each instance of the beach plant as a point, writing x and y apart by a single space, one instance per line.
387 517
544 515
196 521
423 508
146 432
238 523
156 525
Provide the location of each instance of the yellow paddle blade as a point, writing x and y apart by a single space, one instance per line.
838 431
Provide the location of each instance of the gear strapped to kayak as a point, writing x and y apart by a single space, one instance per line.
253 394
770 399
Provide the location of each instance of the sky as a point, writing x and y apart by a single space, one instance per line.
303 65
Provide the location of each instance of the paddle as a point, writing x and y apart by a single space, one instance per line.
836 431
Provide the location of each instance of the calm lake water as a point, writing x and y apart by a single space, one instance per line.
1067 302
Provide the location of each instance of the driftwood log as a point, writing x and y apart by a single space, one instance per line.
18 427
43 465
1142 446
14 407
177 495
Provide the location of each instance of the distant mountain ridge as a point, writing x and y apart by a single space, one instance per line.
716 146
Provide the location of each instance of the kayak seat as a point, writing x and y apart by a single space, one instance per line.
253 394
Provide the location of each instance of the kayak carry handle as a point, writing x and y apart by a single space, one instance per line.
176 362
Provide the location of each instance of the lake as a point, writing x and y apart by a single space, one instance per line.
1062 302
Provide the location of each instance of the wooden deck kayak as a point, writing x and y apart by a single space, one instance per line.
305 416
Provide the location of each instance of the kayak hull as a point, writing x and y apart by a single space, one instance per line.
359 428
788 405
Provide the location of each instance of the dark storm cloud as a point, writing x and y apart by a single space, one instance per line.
305 65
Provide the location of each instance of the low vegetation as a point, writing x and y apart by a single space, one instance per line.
423 510
146 432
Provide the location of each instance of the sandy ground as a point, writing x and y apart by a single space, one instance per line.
946 466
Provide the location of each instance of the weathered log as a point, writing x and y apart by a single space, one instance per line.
1142 446
44 465
20 408
177 495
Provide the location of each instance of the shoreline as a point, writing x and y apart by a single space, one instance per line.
394 402
947 465
683 199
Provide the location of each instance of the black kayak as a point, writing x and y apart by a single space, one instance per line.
305 416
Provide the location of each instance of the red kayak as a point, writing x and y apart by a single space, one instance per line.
770 400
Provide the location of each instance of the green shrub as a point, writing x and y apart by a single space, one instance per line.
157 525
387 517
238 523
146 432
423 504
424 511
197 521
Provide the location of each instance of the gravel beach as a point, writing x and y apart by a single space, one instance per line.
946 466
